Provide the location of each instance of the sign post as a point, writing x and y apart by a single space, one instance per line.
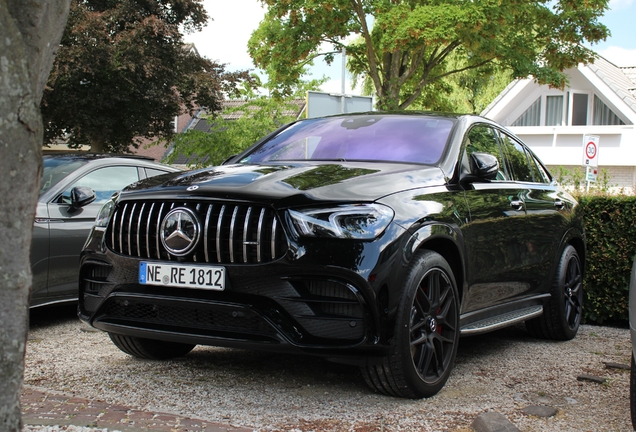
590 158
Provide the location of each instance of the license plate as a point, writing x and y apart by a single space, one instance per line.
182 275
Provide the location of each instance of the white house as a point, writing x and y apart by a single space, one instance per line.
600 100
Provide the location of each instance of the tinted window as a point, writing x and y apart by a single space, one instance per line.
151 172
375 138
538 171
104 181
55 169
483 139
517 159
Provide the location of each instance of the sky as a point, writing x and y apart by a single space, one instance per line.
232 23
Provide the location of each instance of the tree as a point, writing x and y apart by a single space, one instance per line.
123 73
29 34
408 44
470 91
257 117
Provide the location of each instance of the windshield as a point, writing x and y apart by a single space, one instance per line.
394 138
56 168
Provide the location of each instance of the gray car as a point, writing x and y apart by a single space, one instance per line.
73 188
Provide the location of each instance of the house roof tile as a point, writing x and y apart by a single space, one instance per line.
622 80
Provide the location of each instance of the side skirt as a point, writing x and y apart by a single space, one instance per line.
500 316
500 321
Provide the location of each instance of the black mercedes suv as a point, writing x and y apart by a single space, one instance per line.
373 239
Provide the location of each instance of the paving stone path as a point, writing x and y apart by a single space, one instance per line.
42 407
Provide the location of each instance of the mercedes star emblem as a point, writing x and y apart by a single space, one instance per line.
179 231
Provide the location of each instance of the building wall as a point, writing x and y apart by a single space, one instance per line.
622 179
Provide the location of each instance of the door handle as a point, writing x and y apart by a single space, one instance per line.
559 204
516 204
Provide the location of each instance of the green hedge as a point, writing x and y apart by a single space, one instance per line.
611 245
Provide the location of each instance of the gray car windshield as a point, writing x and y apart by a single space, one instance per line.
392 138
55 169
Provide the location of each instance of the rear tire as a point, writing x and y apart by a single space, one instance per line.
562 315
150 349
426 334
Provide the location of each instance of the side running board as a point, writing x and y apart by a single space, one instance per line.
500 321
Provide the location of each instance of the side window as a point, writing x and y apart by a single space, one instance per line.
538 171
104 181
483 139
151 172
517 159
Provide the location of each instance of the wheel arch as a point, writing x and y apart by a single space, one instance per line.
575 238
579 244
445 241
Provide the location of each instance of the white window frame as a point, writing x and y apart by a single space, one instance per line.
544 106
543 96
590 105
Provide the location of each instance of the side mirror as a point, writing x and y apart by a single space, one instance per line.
81 196
484 166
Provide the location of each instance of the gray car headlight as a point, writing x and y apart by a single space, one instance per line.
354 221
105 213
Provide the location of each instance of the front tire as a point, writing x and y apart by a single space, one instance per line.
426 334
150 349
562 315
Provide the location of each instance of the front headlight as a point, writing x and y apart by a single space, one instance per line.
354 221
105 213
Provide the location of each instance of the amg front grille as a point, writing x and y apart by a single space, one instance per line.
232 233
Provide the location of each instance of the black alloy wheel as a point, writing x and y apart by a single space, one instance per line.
573 292
433 326
562 314
426 333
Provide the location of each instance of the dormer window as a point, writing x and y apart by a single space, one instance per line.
531 117
603 115
552 110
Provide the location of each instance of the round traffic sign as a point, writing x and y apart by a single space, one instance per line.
590 150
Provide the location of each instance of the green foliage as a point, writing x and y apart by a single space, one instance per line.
603 181
469 91
611 247
258 117
122 73
403 47
573 179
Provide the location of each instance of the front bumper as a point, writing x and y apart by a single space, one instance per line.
289 305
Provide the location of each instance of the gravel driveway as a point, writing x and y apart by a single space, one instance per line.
505 371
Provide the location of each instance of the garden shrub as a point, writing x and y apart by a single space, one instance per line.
611 246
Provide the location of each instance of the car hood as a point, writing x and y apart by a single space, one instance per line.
290 183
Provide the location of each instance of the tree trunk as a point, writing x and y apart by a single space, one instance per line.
30 32
97 145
